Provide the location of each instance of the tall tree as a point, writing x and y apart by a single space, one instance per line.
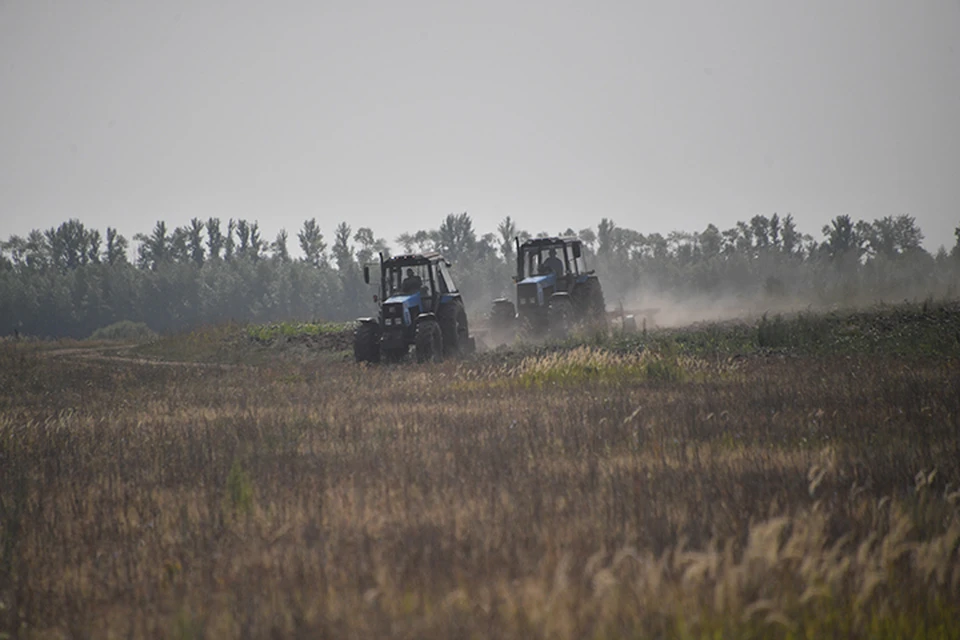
842 239
456 237
507 232
744 238
214 238
789 235
256 247
116 251
486 247
406 241
228 242
605 231
711 241
279 247
92 243
154 249
588 237
243 238
16 250
312 244
342 250
425 240
179 245
67 244
775 231
760 228
38 254
195 241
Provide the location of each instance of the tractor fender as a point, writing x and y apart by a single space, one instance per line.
368 320
429 315
560 294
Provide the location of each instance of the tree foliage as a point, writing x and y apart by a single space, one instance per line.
69 280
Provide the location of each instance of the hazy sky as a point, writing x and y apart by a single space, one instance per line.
661 115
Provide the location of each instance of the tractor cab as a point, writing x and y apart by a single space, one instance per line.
554 287
546 267
552 261
414 289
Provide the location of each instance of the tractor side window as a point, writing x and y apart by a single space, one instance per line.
535 262
447 285
570 263
442 282
393 280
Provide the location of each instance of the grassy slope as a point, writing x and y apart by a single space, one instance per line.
678 484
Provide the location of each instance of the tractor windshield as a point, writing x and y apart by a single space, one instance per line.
540 260
408 279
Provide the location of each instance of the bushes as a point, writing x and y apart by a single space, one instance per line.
124 330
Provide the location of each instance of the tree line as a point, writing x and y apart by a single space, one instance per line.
69 280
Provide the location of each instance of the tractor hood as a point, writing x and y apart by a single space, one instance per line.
407 300
399 309
540 281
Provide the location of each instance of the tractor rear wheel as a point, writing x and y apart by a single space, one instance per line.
560 316
588 303
453 325
596 306
366 342
429 341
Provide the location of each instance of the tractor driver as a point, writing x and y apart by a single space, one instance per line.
412 283
552 263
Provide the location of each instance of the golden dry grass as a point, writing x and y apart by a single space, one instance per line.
571 496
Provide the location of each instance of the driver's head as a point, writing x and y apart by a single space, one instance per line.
409 273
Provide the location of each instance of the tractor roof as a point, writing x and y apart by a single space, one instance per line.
413 259
550 241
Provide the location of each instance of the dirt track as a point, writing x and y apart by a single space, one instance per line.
102 354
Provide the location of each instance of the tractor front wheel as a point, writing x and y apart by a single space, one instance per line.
429 341
366 342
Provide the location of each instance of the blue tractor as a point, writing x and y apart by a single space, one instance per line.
418 305
554 290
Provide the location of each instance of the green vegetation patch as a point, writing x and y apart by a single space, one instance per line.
219 343
252 344
124 330
272 331
593 365
927 329
931 328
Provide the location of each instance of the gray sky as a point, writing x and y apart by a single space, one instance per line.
661 115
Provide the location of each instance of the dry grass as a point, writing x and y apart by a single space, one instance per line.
781 497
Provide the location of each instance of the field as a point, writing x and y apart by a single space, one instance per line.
796 477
